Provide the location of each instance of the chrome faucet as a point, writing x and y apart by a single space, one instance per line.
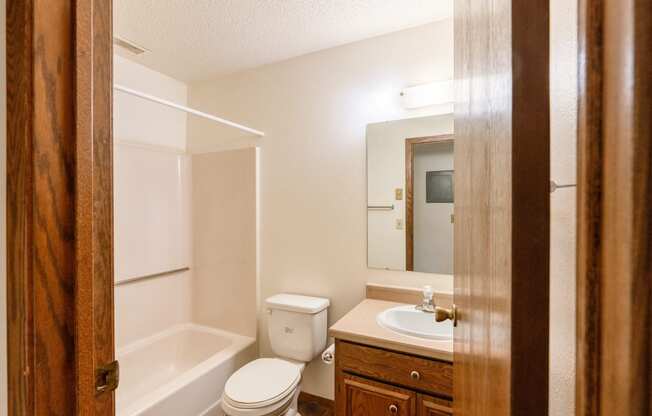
427 304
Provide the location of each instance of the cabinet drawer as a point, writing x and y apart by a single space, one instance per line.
419 373
369 398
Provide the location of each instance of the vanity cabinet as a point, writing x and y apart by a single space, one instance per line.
371 381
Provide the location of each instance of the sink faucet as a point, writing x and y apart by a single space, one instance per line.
427 305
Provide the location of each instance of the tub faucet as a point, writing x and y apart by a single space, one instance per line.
427 304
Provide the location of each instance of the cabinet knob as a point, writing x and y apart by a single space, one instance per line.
415 375
393 409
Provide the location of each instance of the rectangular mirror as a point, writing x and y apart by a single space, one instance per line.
410 198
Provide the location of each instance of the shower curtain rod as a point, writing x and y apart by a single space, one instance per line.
554 186
189 110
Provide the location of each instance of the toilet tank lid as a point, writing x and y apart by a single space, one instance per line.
297 303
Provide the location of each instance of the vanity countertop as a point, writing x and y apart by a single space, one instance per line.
359 325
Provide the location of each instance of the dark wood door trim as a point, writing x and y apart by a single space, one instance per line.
614 270
94 334
530 187
59 204
409 191
20 215
589 206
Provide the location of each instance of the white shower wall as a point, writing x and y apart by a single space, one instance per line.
141 121
152 194
150 141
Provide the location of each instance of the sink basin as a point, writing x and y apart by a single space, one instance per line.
407 320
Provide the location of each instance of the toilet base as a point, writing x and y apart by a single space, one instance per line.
294 407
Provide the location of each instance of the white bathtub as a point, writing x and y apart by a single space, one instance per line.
180 371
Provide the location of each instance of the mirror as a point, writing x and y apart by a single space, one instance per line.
410 197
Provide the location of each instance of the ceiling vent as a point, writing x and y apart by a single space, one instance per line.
129 45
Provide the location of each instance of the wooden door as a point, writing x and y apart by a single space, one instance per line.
364 397
502 163
614 267
59 207
432 406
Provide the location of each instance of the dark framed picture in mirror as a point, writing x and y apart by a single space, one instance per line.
439 186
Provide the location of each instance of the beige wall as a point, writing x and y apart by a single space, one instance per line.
314 110
149 132
563 123
224 234
3 272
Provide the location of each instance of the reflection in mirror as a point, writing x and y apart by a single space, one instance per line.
410 197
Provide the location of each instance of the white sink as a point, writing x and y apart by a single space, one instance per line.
407 320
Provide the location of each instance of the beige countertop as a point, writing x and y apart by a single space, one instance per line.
359 325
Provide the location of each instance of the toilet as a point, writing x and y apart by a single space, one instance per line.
297 328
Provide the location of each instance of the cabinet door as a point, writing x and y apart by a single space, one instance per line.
432 406
364 397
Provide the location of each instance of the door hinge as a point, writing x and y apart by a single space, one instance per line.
107 377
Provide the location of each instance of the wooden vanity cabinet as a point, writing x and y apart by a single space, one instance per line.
372 381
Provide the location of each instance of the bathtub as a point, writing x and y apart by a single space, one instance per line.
180 371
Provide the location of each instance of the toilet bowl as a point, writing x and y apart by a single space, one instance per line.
264 387
271 386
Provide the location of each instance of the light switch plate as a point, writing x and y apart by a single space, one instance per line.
398 194
399 223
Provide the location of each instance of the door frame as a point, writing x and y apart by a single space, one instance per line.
410 143
614 247
59 206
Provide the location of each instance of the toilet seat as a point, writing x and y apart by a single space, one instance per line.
263 387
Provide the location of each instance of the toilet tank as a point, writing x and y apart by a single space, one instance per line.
297 325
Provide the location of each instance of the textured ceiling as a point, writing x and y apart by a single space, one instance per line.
201 39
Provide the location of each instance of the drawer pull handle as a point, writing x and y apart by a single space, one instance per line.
415 375
393 409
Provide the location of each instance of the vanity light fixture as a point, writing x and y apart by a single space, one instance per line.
425 95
